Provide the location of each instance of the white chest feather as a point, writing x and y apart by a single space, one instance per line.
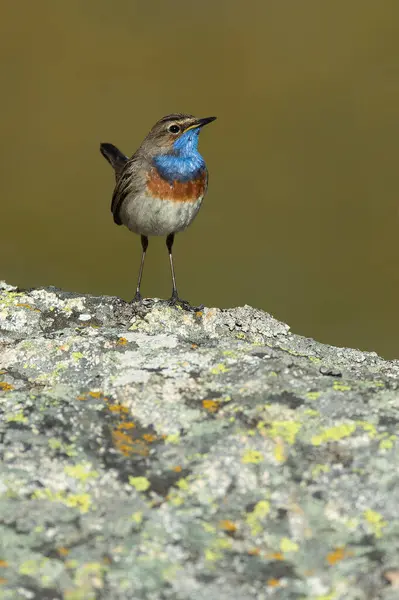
149 215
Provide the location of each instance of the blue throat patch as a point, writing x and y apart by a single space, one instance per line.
184 162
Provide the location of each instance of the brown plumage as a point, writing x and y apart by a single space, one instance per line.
176 191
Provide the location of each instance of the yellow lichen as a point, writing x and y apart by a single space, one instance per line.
333 434
18 417
254 518
183 484
287 430
341 387
82 472
317 469
212 555
140 483
80 501
252 456
137 517
279 451
368 428
173 438
287 545
220 368
309 412
313 395
376 521
387 442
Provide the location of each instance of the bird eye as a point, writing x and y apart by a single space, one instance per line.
174 129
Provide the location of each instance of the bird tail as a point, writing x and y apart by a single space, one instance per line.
115 157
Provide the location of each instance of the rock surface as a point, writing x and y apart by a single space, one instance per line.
152 453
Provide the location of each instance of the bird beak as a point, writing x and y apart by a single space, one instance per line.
200 123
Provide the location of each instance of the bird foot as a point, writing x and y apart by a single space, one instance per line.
183 304
137 297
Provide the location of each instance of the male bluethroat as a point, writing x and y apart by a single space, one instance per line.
160 189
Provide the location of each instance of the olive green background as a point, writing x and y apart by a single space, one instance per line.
302 214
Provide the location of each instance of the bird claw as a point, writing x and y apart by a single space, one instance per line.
179 303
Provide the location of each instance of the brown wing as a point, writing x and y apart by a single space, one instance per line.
129 182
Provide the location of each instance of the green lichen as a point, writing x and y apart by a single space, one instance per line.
310 412
30 567
137 517
317 469
375 521
252 456
9 298
220 368
341 387
183 484
212 555
254 519
68 449
287 430
53 376
313 395
82 472
287 545
230 354
80 501
18 417
140 483
368 428
333 434
173 438
387 442
216 550
208 527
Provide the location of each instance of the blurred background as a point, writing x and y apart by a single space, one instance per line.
302 214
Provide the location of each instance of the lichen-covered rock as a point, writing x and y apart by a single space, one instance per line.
151 453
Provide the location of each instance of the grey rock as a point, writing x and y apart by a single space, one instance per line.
152 453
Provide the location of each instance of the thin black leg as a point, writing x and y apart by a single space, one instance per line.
174 299
144 245
169 244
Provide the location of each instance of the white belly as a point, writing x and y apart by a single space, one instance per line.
151 216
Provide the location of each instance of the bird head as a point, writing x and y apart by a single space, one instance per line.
175 134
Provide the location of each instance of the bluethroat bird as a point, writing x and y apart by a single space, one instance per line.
160 189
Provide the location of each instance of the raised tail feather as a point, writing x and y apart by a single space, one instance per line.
115 157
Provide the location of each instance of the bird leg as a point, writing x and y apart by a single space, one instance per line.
144 245
174 300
